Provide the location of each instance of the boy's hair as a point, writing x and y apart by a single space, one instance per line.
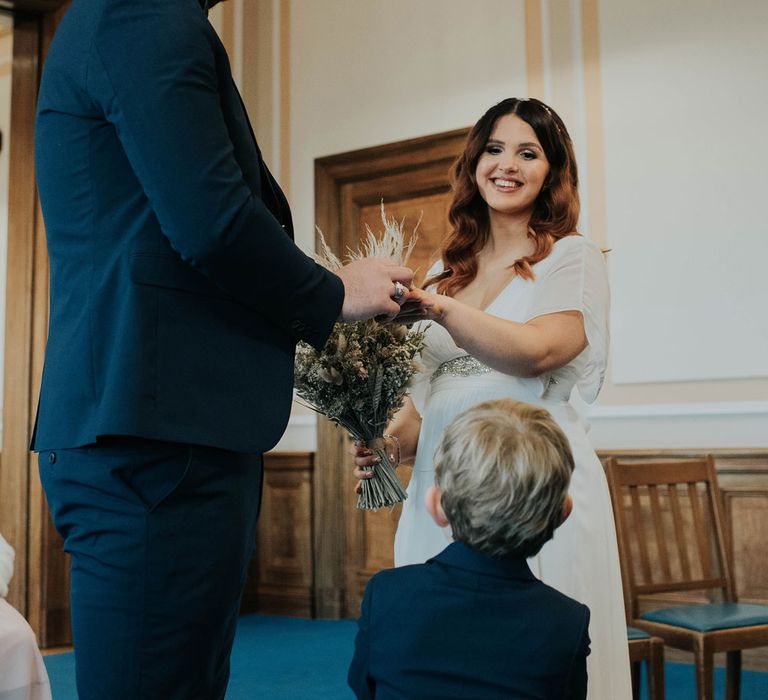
503 468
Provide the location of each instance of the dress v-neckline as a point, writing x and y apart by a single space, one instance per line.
515 276
485 308
501 291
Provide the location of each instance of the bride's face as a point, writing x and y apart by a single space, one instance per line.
513 168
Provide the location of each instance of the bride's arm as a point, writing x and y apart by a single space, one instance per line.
520 349
406 426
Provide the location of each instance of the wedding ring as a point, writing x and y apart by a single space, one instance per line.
400 291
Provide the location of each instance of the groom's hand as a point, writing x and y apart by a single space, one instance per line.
370 288
421 306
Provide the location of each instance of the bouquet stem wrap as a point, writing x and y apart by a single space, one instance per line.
383 488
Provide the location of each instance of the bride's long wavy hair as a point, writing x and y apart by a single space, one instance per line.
555 212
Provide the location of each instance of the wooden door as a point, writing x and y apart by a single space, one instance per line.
411 177
39 588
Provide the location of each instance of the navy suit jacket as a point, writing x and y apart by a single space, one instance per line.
177 293
465 625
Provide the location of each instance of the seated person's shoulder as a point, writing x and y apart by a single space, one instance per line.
390 589
562 606
396 577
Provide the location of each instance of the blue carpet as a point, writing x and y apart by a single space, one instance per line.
284 658
680 683
291 659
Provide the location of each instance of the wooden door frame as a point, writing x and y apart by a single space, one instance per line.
24 519
344 184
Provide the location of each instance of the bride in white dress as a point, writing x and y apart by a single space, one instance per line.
518 306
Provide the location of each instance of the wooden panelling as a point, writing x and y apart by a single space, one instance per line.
40 585
746 512
284 578
49 589
331 498
17 397
429 213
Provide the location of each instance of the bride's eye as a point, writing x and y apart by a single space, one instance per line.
493 150
529 155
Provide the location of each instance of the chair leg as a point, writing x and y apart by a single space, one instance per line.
636 680
733 675
656 671
704 658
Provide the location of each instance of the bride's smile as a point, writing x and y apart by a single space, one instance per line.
513 168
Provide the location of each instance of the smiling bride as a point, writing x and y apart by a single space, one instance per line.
519 308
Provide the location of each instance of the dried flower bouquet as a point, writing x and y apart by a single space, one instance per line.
361 376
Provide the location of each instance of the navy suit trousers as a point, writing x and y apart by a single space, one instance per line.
160 536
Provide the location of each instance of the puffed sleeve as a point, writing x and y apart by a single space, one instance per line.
417 389
577 280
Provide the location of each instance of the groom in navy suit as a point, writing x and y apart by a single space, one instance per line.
177 297
474 622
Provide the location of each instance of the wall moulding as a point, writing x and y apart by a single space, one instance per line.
724 425
715 408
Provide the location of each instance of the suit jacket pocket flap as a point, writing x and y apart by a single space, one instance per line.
170 272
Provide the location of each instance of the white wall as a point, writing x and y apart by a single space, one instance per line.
686 108
367 73
666 104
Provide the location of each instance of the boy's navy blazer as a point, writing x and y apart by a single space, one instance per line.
465 625
177 293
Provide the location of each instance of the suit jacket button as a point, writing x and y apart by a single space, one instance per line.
52 457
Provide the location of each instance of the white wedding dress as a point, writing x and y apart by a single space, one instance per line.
582 559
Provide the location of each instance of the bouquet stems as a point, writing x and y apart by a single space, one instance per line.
383 488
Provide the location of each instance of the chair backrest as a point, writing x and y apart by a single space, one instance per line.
669 523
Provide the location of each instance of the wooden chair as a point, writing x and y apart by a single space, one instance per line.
670 527
643 647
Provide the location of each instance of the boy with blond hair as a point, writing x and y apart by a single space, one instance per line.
474 622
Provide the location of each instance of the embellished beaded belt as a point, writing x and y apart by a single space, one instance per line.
464 366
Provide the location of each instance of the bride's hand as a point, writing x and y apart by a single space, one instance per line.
420 306
365 461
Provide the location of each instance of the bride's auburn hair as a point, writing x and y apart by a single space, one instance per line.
556 210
